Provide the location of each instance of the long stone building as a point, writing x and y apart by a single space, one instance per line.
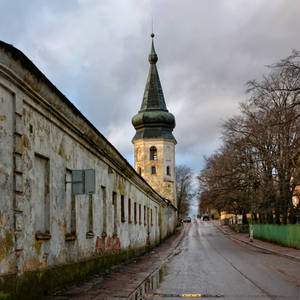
70 204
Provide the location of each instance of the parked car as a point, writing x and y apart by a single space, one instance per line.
205 217
187 219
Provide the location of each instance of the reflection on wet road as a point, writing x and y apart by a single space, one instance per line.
208 265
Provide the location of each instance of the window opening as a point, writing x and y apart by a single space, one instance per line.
90 233
103 189
70 208
129 210
122 209
153 153
151 218
140 214
42 193
168 171
135 221
153 170
114 203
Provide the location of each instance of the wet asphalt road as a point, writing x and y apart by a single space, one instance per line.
210 264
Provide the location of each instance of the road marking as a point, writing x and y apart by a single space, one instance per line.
175 295
183 296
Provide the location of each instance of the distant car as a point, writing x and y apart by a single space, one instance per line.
187 219
205 217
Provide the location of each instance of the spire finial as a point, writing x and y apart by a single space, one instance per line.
152 56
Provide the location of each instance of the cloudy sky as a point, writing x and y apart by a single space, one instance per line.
95 52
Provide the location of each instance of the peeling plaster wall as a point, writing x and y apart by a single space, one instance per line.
42 138
7 256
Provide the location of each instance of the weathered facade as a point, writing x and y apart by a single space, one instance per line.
54 225
154 143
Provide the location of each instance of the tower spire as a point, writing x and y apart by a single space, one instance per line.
154 143
153 119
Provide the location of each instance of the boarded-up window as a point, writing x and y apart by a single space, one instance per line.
144 215
90 230
122 209
129 210
114 203
103 189
41 194
135 221
151 218
140 213
70 205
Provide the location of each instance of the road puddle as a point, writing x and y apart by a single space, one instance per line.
147 289
151 284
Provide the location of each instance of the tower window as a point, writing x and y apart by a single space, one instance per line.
153 153
153 170
168 171
140 171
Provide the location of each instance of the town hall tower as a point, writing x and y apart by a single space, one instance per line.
154 143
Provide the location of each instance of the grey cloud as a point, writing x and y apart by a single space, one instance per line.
96 53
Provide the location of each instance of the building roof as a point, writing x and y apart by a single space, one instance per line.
153 119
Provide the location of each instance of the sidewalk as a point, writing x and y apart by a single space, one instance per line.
290 253
123 280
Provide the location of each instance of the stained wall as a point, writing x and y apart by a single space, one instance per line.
43 137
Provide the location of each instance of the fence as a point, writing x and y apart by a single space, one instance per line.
286 235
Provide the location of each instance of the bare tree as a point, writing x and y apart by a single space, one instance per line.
257 168
184 189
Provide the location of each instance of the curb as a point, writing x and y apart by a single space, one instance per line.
297 259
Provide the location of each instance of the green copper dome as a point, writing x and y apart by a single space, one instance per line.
153 119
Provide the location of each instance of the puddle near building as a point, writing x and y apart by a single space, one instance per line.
149 285
147 289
